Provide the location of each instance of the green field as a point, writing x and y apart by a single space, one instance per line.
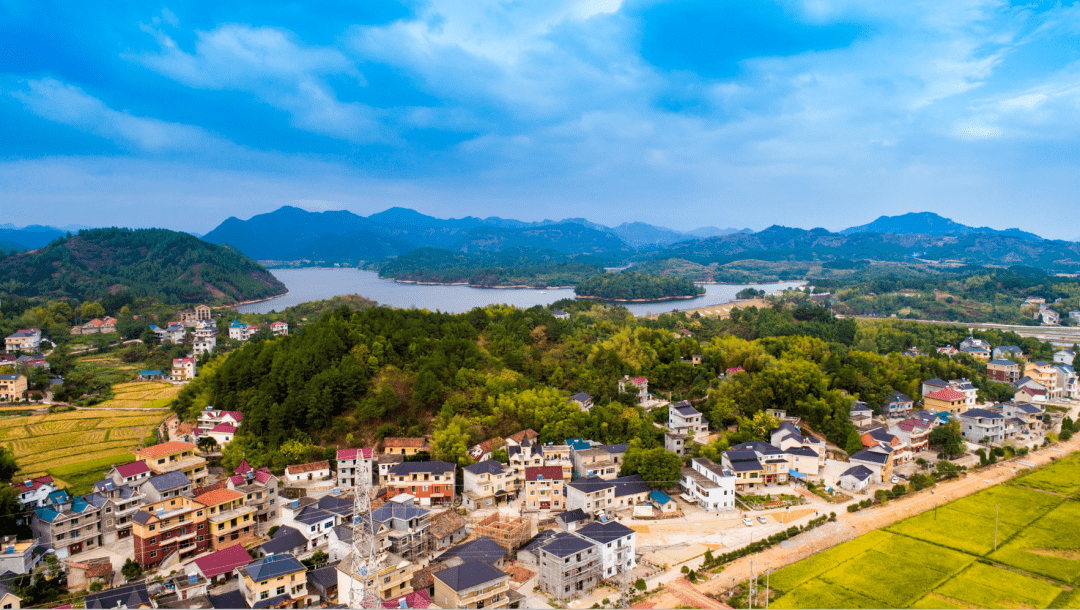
81 476
948 560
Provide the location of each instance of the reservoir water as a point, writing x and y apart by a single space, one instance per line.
314 284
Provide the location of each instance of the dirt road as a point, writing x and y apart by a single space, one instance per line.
851 525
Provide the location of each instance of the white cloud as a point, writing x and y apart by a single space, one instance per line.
70 105
271 64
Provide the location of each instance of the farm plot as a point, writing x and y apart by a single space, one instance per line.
1050 546
923 562
1062 477
141 395
967 524
985 586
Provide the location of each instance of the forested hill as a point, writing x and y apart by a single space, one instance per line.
355 377
174 267
634 286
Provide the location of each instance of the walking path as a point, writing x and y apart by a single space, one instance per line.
853 525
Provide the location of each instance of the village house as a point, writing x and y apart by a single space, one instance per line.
487 484
126 596
220 565
176 525
860 414
228 520
1003 371
674 443
312 471
913 434
391 579
168 485
946 400
976 348
132 473
882 437
584 401
354 466
95 326
408 527
979 424
173 332
569 566
879 462
19 556
211 417
1051 378
473 584
756 463
1029 391
203 345
1009 352
483 450
315 524
12 388
857 478
69 528
447 528
34 493
117 518
528 453
276 581
428 482
948 350
602 461
279 328
806 454
572 520
685 419
183 369
592 494
192 317
898 404
483 548
223 434
24 340
1064 356
545 488
616 543
709 485
523 437
1028 416
173 456
638 386
405 446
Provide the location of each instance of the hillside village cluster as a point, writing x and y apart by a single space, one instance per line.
552 521
23 347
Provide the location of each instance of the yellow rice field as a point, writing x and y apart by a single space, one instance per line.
141 395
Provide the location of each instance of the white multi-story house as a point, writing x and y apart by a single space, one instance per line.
24 340
641 385
591 494
979 424
34 493
685 419
617 545
756 463
211 417
1028 416
280 329
203 345
1064 356
708 484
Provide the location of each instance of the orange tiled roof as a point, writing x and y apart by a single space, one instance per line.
405 442
218 496
520 436
163 449
298 468
946 394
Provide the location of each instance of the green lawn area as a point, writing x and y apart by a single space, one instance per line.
81 476
967 524
1061 477
1050 546
989 587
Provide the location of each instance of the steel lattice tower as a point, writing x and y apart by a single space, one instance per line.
365 555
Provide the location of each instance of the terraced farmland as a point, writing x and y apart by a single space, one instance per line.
78 446
946 559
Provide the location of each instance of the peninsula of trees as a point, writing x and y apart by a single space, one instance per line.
171 266
635 286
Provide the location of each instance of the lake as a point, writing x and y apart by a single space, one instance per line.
314 284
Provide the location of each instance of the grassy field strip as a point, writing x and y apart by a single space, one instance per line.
989 587
80 476
117 455
798 573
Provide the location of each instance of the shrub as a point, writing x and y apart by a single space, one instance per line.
640 585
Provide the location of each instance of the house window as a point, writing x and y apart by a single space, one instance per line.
153 553
264 595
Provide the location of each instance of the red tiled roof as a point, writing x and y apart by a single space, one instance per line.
218 496
35 483
156 451
521 436
946 394
237 479
639 380
236 415
242 467
216 564
909 424
487 446
417 599
351 454
263 475
132 469
549 473
224 429
405 442
222 484
298 468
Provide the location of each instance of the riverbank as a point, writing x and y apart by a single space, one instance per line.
254 301
686 297
510 287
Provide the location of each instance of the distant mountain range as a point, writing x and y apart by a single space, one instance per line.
343 236
929 223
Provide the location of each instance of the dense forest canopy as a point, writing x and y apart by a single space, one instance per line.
357 376
174 267
633 285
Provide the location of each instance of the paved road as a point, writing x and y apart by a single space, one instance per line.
1064 335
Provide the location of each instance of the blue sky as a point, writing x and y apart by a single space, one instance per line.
683 114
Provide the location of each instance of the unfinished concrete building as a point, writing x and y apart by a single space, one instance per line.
570 566
509 532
